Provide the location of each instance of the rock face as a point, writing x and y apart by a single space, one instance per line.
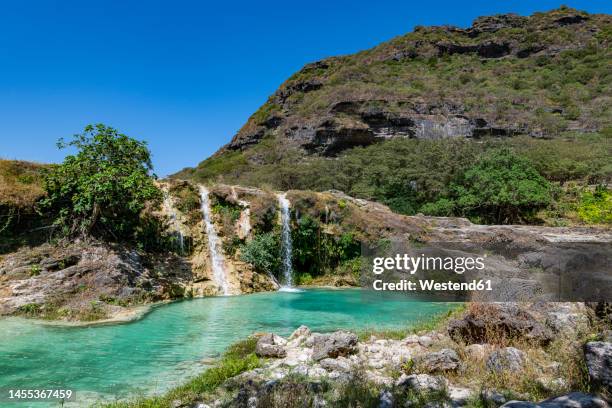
506 359
598 356
333 345
85 281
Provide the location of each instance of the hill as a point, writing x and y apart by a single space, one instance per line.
396 123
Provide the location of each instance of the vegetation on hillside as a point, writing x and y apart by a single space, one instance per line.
436 176
20 189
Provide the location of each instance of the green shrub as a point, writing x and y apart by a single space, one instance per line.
263 252
596 207
102 189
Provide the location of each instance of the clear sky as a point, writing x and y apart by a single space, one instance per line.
184 75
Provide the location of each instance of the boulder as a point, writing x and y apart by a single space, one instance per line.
506 359
340 343
598 356
271 345
504 320
443 360
422 382
571 400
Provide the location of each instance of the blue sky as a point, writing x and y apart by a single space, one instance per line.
183 75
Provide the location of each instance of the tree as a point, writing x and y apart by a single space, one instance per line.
502 187
102 189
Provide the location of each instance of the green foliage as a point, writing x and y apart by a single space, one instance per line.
502 187
263 252
316 252
35 270
226 209
596 207
103 188
30 309
304 279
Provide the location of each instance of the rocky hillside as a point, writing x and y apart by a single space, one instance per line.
506 75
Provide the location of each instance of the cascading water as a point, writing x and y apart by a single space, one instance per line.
214 245
286 245
176 225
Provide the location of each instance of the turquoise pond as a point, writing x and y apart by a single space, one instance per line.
175 341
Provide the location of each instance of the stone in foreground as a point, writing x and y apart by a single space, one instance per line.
271 345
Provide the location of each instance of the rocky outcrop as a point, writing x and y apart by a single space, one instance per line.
508 320
271 345
338 344
89 281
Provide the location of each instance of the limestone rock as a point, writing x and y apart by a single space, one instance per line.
271 345
340 343
443 360
422 382
506 359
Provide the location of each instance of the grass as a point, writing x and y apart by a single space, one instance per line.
20 183
238 358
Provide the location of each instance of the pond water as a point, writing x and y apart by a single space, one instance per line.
174 341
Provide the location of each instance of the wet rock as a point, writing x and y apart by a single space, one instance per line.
443 360
422 382
598 356
506 359
340 343
271 345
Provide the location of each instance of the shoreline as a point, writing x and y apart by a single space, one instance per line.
136 313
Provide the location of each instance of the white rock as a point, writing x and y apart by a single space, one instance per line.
425 341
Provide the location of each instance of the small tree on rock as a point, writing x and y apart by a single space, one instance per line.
102 189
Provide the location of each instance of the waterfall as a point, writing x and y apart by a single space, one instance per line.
286 246
214 244
176 225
